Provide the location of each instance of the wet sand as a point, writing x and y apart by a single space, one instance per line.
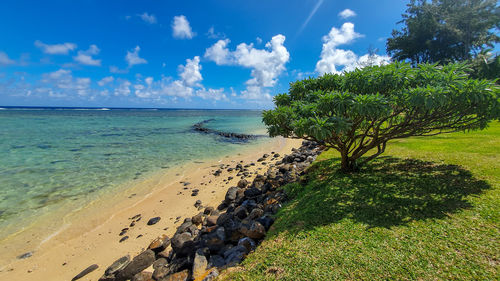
91 236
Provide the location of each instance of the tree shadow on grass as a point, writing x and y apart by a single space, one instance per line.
387 192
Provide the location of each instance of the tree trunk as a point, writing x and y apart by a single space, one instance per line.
348 165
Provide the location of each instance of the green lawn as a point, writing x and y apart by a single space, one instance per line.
428 210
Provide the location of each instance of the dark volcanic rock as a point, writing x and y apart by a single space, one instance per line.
183 244
25 256
242 183
248 243
231 194
198 219
179 276
85 272
117 265
143 276
216 261
154 220
254 230
138 264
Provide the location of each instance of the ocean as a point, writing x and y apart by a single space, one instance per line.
60 158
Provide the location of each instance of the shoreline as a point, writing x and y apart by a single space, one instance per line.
95 240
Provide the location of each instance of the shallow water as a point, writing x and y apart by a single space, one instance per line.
50 158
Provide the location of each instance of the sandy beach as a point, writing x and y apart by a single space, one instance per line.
91 236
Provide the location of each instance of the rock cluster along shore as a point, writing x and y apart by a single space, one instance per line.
218 238
198 127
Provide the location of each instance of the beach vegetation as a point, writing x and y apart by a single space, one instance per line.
357 113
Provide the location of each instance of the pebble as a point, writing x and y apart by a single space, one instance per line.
154 220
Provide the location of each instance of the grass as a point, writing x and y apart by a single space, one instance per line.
428 210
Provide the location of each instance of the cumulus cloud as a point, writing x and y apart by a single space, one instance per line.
56 49
133 58
181 28
334 60
86 57
190 73
347 13
123 88
61 83
266 64
105 80
4 59
151 19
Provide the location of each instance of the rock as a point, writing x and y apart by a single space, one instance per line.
160 272
154 220
241 212
212 220
266 221
200 264
255 213
260 159
208 210
85 272
248 243
223 218
252 192
117 265
159 244
123 239
216 261
185 226
161 262
214 240
254 230
143 276
198 219
25 256
138 264
234 255
183 244
179 276
242 183
231 194
197 203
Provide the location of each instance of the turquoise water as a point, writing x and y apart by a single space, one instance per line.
51 157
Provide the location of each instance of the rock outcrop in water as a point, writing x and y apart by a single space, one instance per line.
198 127
220 237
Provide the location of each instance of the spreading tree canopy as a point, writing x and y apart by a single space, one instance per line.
445 30
358 112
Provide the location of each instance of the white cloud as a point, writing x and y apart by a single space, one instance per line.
211 94
215 35
181 28
266 64
190 73
219 53
311 14
332 58
133 58
56 49
4 59
347 13
85 57
105 80
123 88
151 19
61 83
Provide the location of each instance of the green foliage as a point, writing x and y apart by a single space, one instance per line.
364 109
445 30
485 66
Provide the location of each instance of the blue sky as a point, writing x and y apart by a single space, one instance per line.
181 54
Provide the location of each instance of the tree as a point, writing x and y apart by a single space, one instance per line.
445 30
360 111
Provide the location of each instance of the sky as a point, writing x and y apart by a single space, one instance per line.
221 54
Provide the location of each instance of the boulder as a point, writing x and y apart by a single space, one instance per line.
212 220
159 244
200 264
216 261
117 265
198 219
138 264
248 243
143 276
231 194
179 276
183 244
154 220
242 183
241 212
161 262
214 240
253 229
